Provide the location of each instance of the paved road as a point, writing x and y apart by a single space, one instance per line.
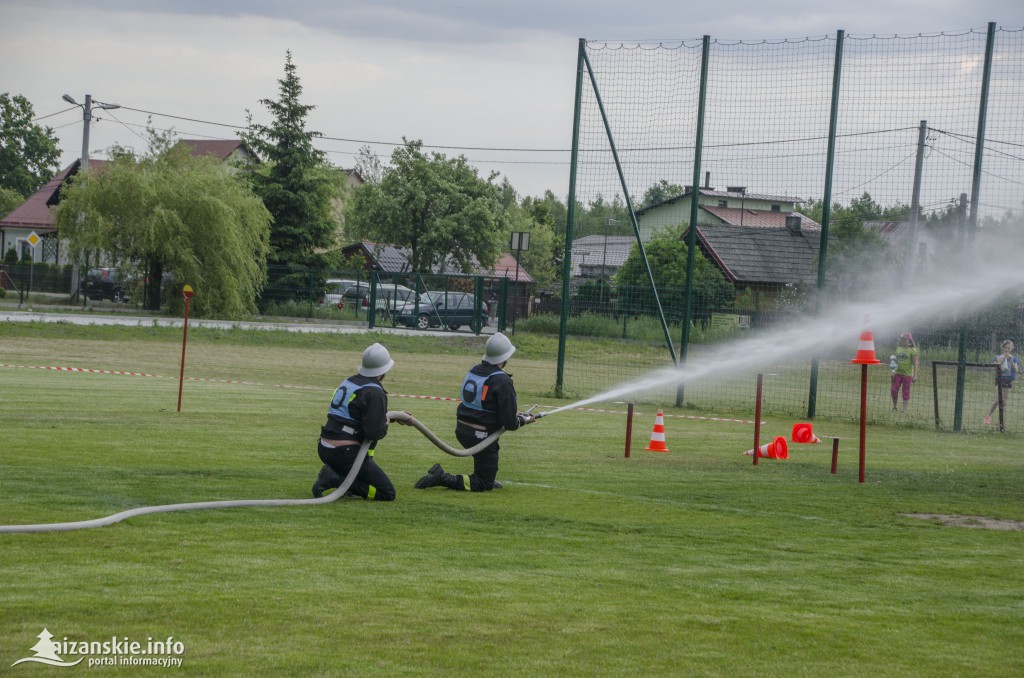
125 320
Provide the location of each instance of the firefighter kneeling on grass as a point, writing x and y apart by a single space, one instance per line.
488 404
358 412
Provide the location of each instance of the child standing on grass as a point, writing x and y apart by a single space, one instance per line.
1009 367
907 359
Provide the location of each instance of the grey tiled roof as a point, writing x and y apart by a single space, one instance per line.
761 255
391 259
597 249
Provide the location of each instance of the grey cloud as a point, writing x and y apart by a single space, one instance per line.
486 21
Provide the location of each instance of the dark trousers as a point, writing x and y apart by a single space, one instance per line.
485 462
371 482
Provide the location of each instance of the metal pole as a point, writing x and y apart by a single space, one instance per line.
972 227
915 204
86 120
826 212
863 420
184 341
515 295
563 325
691 236
979 143
629 428
757 417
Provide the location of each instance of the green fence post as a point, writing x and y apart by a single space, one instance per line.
478 292
972 223
826 212
502 304
691 236
570 217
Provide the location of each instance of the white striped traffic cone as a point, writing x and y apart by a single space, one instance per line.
657 443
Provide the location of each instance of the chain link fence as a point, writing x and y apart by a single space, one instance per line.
917 139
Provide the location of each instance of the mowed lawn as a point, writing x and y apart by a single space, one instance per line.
691 562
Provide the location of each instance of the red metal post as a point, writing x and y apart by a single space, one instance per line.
629 428
863 418
184 340
835 455
757 417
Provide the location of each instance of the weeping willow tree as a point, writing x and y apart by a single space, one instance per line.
172 212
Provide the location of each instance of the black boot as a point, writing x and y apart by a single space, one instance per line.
326 480
435 476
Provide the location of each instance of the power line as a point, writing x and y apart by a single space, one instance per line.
44 117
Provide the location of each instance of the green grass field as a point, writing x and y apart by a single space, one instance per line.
693 562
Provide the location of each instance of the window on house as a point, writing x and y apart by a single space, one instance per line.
776 208
723 203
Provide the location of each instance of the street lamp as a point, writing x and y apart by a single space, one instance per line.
86 119
604 257
518 241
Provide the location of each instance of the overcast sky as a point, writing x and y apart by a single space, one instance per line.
472 76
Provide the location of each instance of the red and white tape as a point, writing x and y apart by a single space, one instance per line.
318 388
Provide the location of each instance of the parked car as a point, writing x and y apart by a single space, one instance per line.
105 283
436 309
335 288
388 296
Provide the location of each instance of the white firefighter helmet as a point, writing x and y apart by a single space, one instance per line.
376 361
499 349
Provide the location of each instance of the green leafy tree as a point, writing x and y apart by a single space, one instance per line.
437 207
659 193
666 253
298 188
28 152
9 199
539 260
548 209
172 212
859 254
369 166
601 217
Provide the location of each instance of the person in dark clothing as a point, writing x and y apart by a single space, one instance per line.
488 403
357 413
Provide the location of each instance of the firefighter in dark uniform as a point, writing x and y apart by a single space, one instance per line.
488 404
357 413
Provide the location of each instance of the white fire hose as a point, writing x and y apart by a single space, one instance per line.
402 417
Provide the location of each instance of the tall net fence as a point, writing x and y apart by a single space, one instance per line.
905 171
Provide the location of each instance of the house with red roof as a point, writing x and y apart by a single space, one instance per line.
734 207
35 215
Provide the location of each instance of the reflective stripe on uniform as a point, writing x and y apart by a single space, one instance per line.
465 483
371 492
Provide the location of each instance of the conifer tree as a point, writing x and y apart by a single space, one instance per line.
297 186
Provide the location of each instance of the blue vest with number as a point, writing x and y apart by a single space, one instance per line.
473 390
343 397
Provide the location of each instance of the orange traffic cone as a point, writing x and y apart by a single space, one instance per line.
866 350
804 433
657 443
776 449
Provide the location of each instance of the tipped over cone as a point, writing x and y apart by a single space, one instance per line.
804 433
657 443
776 449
